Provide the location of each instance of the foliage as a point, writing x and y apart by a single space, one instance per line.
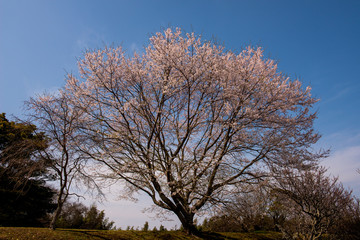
19 150
187 120
26 207
78 216
24 198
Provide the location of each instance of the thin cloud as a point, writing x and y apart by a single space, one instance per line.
344 164
90 39
134 47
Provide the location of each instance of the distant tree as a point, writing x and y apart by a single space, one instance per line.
72 216
250 209
205 224
187 121
78 216
162 228
277 210
25 200
316 201
95 219
348 226
145 227
256 208
222 223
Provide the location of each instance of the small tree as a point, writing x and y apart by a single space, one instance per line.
246 211
57 119
71 216
145 227
316 201
187 121
162 228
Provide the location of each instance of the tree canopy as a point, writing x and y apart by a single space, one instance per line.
19 148
24 198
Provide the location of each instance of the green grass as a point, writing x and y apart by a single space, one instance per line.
13 233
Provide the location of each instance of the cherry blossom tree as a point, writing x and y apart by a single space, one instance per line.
187 121
57 119
316 201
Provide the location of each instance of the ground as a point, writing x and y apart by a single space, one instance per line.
12 233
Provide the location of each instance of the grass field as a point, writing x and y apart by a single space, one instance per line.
13 233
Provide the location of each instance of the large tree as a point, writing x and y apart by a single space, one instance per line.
187 121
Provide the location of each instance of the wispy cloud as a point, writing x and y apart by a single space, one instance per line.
339 94
341 139
90 39
134 47
344 163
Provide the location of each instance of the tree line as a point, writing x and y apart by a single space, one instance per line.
194 127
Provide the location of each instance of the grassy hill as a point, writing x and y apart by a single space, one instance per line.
12 233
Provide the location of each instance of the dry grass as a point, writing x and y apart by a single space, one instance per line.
12 233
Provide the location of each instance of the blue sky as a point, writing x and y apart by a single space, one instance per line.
316 41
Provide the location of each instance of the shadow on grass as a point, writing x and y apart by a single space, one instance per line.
214 236
161 235
100 235
90 233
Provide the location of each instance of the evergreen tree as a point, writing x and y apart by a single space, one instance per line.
145 227
24 198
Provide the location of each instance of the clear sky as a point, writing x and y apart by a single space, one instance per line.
316 41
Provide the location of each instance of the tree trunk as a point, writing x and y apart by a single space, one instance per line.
187 221
191 229
56 216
